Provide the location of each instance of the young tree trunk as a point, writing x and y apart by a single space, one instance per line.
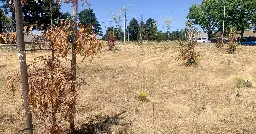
209 33
242 34
23 64
73 67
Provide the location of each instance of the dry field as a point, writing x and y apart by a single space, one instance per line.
182 100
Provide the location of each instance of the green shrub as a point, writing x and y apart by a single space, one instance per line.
241 83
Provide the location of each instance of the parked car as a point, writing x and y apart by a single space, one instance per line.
213 40
250 41
202 40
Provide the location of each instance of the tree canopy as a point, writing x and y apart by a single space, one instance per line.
36 12
41 13
65 16
133 29
150 29
239 14
3 20
204 15
118 33
87 17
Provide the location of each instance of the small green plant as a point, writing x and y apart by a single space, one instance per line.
241 83
142 96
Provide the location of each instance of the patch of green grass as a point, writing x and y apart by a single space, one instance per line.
241 83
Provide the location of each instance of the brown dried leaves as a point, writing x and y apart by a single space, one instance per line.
50 92
187 49
9 37
86 41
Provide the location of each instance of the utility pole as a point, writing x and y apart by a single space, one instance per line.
124 25
223 30
23 64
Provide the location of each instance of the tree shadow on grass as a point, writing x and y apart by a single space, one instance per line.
102 124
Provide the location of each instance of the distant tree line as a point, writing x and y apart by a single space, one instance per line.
144 31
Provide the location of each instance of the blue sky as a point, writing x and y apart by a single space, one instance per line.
156 9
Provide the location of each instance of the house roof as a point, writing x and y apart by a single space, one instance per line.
247 34
202 35
28 38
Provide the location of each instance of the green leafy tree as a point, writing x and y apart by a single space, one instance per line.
4 20
87 17
35 12
8 7
254 21
240 13
41 13
133 29
150 30
119 34
177 35
142 31
205 15
161 36
105 36
209 15
66 16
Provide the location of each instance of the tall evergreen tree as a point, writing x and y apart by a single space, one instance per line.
133 30
161 36
142 31
65 16
88 17
150 29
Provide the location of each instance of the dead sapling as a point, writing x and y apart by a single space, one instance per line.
187 48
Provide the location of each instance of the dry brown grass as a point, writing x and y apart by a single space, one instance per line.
185 100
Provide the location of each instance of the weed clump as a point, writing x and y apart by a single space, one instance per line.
241 83
142 96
